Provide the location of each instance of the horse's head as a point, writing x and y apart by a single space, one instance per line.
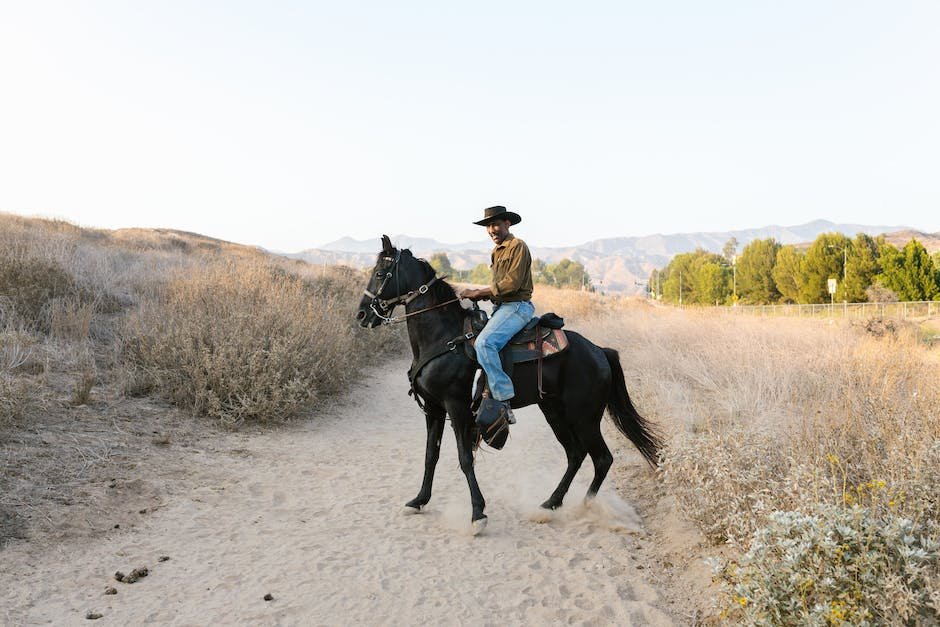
396 273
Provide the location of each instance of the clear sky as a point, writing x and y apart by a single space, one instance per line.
290 124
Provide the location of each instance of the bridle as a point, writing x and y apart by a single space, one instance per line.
387 306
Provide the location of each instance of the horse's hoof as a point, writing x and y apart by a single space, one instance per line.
411 510
550 505
478 526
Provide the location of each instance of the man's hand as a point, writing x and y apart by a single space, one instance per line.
473 294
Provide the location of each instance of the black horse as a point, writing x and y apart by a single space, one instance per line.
577 384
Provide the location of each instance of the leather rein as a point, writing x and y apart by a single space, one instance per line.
388 306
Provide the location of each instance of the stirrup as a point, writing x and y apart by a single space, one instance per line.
493 420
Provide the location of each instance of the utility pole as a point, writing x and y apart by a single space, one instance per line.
734 279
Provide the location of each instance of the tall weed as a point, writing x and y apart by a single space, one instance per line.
245 340
828 422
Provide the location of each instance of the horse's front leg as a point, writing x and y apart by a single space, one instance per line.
462 420
434 415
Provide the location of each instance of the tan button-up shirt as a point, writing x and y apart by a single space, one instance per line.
512 271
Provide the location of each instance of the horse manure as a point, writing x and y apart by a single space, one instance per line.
133 576
163 558
93 615
110 590
269 597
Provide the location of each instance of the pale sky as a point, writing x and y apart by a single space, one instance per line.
290 124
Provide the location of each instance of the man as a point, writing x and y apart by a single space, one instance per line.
511 291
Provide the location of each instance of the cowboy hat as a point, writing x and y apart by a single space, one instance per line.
498 213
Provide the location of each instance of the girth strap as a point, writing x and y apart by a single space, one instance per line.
418 365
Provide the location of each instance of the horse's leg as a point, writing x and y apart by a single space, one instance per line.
434 415
590 436
462 421
555 415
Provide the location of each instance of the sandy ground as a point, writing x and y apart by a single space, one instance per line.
312 515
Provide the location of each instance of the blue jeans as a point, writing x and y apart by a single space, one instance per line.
507 320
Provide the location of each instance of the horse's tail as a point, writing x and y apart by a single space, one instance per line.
625 416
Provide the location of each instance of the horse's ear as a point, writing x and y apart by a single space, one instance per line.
387 244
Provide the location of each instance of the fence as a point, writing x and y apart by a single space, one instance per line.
902 310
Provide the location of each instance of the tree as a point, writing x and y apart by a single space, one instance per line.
480 275
910 272
788 273
698 277
540 273
655 281
730 249
861 269
823 261
569 274
441 264
755 268
710 282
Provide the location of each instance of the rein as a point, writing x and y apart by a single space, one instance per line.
389 305
394 319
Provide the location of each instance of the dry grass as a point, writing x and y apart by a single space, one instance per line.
90 318
768 416
247 340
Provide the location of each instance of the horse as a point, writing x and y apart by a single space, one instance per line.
577 384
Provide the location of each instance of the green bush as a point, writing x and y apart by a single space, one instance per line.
837 566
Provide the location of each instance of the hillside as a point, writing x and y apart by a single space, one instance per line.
617 264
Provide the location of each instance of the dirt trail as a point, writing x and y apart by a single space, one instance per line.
312 514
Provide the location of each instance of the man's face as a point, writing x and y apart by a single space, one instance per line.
498 230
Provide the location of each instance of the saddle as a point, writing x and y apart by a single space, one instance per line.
540 338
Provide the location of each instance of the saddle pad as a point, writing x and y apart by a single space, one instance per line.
554 341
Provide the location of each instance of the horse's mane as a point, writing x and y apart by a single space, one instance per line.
441 288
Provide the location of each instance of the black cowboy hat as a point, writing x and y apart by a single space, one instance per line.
498 213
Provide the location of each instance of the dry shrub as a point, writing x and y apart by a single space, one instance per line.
28 285
69 318
19 398
775 415
572 305
19 395
245 340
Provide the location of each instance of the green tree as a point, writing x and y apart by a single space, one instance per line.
480 275
823 261
441 264
698 277
755 267
910 272
569 274
710 281
860 270
677 278
540 273
730 249
655 281
788 273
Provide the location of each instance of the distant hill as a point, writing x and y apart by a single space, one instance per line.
616 264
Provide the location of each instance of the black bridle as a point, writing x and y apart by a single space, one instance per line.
387 306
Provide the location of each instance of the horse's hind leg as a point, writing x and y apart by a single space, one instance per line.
434 415
590 436
554 414
462 421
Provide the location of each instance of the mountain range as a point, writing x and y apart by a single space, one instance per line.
616 264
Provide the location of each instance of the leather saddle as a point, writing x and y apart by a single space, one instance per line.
540 338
